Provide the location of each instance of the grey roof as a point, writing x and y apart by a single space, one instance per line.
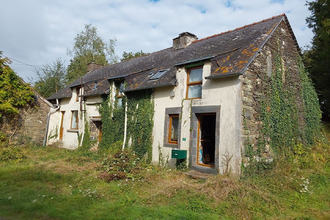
230 53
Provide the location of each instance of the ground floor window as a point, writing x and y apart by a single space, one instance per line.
74 120
172 127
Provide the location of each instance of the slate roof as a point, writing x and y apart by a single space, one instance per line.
230 53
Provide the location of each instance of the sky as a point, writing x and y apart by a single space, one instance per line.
34 33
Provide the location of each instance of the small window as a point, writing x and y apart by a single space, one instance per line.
173 129
95 85
159 74
194 82
120 95
74 120
77 94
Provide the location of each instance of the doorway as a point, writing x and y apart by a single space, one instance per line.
206 139
61 127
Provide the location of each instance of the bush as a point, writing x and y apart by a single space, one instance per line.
11 153
122 165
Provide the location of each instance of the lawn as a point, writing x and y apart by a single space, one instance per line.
52 183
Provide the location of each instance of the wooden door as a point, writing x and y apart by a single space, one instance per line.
61 127
206 139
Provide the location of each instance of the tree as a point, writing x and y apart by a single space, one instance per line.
316 58
14 92
51 78
89 47
130 55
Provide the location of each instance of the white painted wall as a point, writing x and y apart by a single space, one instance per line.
223 92
70 136
216 92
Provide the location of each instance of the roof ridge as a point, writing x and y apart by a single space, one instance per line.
236 29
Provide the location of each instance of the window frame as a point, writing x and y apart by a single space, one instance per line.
77 94
169 131
195 82
168 112
77 119
119 94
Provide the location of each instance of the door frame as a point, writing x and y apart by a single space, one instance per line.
199 140
61 126
194 128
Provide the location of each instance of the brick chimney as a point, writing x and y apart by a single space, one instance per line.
93 66
183 40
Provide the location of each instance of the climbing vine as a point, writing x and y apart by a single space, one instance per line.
287 114
86 142
289 111
312 112
140 112
139 122
278 110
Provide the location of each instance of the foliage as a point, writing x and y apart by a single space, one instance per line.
11 153
140 112
54 179
283 123
279 112
89 47
139 119
290 116
14 93
105 110
112 123
131 55
316 58
3 139
51 78
122 165
312 113
86 142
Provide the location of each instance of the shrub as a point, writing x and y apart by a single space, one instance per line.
122 165
11 153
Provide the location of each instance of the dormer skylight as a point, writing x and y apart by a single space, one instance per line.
159 74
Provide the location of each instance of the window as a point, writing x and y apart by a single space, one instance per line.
77 94
120 95
173 129
194 82
74 120
159 74
95 85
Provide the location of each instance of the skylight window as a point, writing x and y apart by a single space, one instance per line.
159 74
95 85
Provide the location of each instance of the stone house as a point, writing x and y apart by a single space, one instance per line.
30 127
205 95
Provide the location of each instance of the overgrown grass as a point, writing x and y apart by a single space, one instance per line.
52 183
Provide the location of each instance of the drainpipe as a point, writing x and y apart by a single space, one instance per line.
48 118
125 123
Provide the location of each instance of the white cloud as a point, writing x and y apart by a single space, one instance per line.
39 31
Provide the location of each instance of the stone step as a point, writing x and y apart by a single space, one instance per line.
198 175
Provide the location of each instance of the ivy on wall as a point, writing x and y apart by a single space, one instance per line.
312 112
140 112
289 110
139 122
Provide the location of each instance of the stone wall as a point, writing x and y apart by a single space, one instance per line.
30 125
256 83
